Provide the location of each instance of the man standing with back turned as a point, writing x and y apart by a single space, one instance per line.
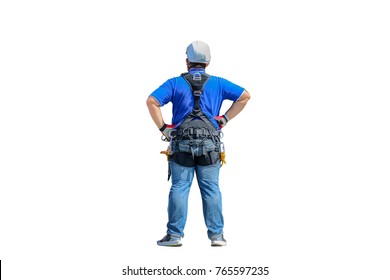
195 140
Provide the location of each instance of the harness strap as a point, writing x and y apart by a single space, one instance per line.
197 81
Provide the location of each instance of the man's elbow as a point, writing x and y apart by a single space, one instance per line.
248 96
151 101
245 97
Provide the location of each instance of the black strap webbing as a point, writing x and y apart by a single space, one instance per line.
196 82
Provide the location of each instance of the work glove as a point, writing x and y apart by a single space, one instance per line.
222 120
166 129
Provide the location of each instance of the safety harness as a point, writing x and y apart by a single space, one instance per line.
196 125
196 137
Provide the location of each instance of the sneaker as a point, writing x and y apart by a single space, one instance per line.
218 241
169 240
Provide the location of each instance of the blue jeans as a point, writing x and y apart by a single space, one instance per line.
208 177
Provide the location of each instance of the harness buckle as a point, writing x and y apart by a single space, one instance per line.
197 76
197 93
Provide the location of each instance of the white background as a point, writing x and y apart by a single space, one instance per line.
83 187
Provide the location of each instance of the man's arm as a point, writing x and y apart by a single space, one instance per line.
155 111
237 106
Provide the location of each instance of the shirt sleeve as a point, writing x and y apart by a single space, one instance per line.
163 94
230 90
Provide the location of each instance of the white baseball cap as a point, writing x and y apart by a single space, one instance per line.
198 51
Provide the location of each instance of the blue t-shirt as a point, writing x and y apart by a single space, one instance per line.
178 91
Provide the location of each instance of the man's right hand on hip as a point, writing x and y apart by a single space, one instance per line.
222 120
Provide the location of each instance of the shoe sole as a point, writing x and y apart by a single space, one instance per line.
169 245
218 244
176 245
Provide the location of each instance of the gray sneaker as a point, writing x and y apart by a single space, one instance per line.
218 241
169 240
